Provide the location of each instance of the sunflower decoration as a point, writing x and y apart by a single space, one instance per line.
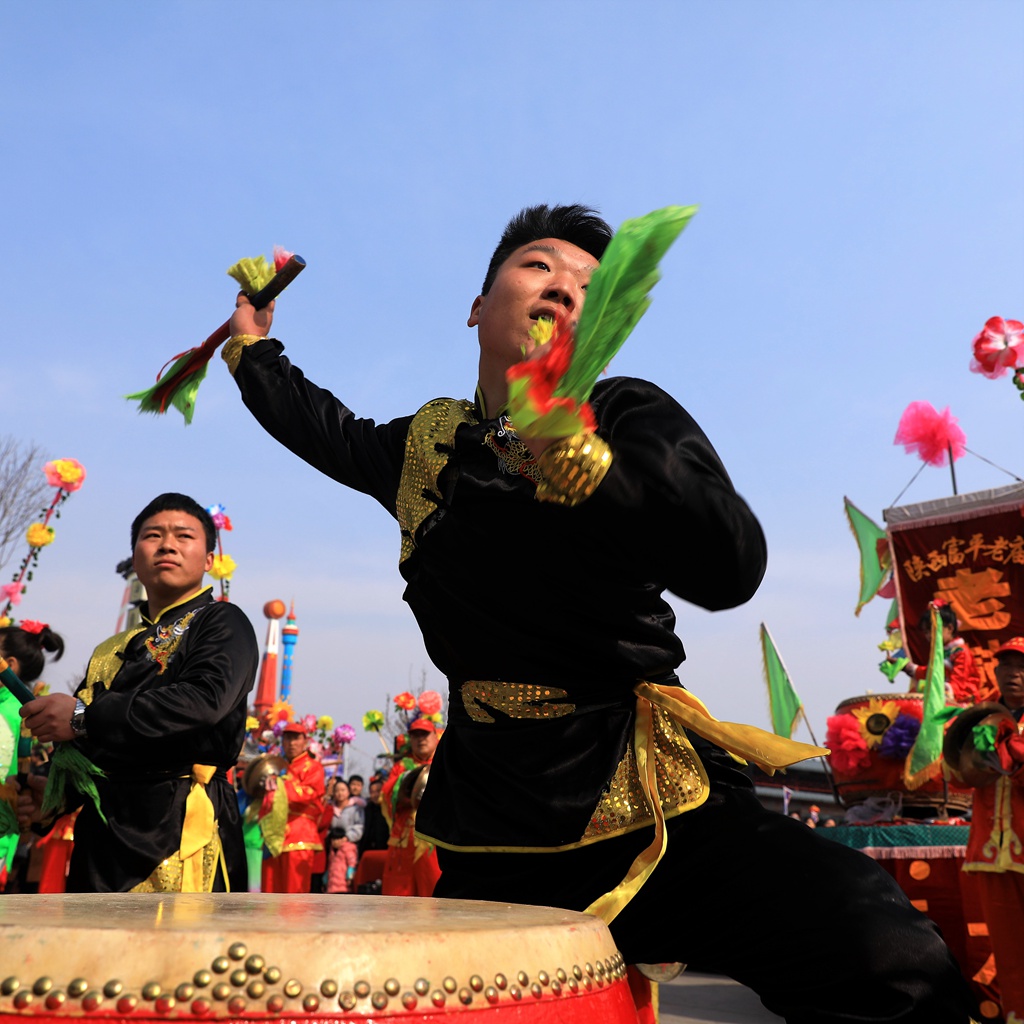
875 719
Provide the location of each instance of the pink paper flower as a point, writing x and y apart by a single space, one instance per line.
309 721
12 591
430 702
281 256
344 734
998 347
68 474
930 434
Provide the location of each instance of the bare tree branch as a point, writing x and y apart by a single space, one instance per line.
23 491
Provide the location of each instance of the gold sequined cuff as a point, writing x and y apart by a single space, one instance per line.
573 468
232 351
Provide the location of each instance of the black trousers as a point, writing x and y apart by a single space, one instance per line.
818 930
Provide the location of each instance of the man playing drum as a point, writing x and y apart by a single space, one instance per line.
535 568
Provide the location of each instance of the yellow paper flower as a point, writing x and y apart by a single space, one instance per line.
38 536
223 567
251 723
5 621
325 722
875 719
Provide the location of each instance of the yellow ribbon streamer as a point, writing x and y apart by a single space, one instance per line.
197 830
744 742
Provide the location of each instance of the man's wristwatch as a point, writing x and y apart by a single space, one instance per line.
78 719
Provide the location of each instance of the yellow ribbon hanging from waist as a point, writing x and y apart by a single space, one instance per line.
197 830
744 742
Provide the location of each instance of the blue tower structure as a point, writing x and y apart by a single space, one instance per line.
289 637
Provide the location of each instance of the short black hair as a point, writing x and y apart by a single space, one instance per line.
28 648
174 502
579 225
946 615
355 778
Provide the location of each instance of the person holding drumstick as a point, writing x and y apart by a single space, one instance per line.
535 567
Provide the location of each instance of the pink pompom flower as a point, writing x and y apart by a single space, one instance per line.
998 347
12 591
931 434
344 734
430 702
281 257
68 474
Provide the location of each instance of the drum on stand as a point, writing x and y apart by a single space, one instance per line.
256 957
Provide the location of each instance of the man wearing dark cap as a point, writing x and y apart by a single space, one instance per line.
995 854
536 568
290 813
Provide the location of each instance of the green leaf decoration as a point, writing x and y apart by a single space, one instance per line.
252 273
619 294
71 769
984 737
8 820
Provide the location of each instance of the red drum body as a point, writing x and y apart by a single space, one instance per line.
870 738
257 957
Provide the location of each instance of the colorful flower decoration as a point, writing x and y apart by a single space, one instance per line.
5 621
900 737
325 723
405 701
875 719
849 748
998 347
67 474
219 517
373 721
223 567
430 702
39 535
251 723
309 721
932 435
344 734
280 711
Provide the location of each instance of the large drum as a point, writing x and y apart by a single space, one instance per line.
257 957
870 738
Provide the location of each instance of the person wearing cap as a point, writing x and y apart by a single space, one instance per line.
411 868
290 814
995 855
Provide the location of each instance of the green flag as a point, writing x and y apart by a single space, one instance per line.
783 702
924 761
874 552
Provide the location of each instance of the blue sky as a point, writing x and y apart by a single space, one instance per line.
859 172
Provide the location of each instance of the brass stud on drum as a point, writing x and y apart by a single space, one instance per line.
347 1001
561 975
361 989
542 977
556 987
449 985
77 988
328 989
165 1004
491 994
184 992
275 1004
476 983
239 978
221 991
42 986
379 1001
522 979
126 1004
255 990
272 975
293 988
220 965
574 985
392 987
237 951
237 1005
500 981
516 993
577 972
55 1000
409 1000
202 978
201 1007
151 990
589 968
422 986
91 1001
311 1002
9 986
465 996
112 988
438 997
23 999
255 964
535 990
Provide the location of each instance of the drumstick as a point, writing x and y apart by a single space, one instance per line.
19 690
